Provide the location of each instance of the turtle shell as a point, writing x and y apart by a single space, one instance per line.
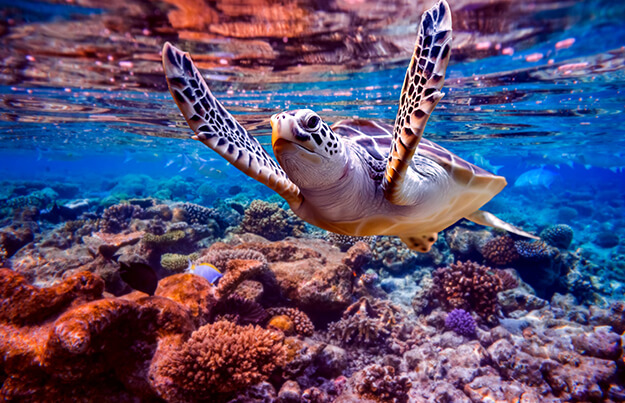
373 140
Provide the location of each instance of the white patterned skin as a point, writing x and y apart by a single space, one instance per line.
340 174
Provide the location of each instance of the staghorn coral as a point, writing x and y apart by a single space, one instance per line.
380 383
117 217
461 322
367 322
270 221
500 251
468 286
560 235
218 358
176 263
303 324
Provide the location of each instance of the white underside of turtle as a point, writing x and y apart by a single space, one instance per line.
358 177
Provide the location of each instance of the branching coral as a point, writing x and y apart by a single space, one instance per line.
468 286
366 322
508 280
560 235
269 220
461 322
220 357
380 383
500 251
303 324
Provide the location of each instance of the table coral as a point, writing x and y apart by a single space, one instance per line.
469 286
218 358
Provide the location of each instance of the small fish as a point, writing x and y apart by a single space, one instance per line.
536 177
206 270
480 161
139 276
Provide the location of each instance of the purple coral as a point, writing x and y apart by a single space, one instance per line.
461 322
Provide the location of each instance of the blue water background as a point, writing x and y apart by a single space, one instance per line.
562 112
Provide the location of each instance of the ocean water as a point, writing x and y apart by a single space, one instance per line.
533 92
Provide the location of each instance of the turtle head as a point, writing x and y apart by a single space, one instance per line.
307 149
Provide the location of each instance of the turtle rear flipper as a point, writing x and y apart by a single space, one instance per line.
419 96
490 220
218 129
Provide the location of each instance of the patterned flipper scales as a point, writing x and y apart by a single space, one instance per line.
419 96
218 129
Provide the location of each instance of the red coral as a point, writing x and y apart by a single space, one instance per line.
218 358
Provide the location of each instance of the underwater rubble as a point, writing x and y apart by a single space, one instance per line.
297 314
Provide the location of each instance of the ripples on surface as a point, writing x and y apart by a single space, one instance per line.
532 80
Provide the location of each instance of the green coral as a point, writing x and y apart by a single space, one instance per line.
165 239
175 262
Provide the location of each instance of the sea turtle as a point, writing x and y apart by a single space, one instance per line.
357 177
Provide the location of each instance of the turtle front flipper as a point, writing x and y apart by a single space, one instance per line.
218 129
490 220
419 96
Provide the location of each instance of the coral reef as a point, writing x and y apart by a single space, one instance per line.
461 322
344 242
177 263
117 217
535 251
270 221
500 251
560 235
469 286
302 324
218 358
366 323
239 310
382 384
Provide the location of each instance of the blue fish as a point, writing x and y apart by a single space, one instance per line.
206 270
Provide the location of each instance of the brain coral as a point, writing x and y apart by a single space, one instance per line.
218 358
469 286
559 235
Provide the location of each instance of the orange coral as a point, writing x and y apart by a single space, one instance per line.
500 251
301 321
219 358
237 271
193 292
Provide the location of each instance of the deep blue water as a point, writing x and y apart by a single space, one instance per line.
535 86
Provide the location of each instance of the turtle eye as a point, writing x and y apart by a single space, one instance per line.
312 122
